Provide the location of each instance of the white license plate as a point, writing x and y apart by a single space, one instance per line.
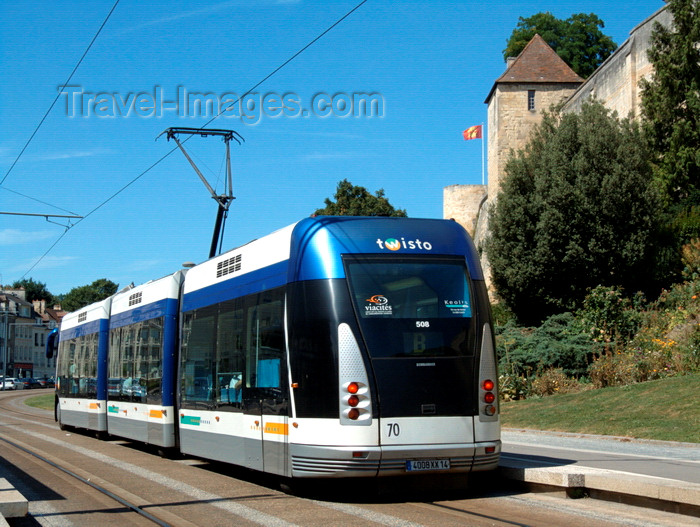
413 465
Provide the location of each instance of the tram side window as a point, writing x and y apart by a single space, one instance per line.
231 349
198 348
230 356
114 381
77 368
135 366
265 342
154 380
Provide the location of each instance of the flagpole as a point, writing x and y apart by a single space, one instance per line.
482 155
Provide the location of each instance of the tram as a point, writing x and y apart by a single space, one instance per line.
334 347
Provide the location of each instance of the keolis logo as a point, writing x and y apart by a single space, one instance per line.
394 245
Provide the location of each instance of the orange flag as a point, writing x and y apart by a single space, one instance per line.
473 132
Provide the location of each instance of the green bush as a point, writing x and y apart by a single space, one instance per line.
514 387
609 317
557 343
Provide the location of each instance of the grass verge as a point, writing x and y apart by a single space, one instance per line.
45 401
665 409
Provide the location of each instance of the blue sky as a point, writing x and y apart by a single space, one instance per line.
431 64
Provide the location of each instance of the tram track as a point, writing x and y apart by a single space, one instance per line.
10 407
74 472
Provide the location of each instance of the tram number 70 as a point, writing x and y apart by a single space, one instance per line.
393 429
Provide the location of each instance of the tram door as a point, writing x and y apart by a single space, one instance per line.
264 397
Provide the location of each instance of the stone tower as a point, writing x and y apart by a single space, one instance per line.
532 82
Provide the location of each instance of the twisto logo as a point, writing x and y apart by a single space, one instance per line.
394 245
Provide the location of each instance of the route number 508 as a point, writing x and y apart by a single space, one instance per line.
422 323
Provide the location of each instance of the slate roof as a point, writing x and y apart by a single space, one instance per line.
537 64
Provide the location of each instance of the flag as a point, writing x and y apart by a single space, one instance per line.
473 132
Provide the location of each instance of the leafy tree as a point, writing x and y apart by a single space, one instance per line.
578 40
576 210
671 115
34 290
87 294
357 201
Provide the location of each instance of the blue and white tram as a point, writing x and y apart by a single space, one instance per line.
143 345
81 366
341 346
335 347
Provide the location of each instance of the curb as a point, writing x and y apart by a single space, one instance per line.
12 503
577 481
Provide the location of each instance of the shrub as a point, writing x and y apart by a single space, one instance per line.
612 370
610 318
557 343
553 381
514 387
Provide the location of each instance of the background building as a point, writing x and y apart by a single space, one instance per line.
23 333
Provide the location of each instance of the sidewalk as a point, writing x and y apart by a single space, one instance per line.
578 481
658 474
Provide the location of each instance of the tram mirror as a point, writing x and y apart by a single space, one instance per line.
52 344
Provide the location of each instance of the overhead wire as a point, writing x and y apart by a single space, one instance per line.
36 129
168 153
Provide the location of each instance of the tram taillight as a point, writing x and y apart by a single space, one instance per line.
355 401
489 397
354 397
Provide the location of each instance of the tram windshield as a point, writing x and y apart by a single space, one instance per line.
412 307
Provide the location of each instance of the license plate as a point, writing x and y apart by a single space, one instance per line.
413 465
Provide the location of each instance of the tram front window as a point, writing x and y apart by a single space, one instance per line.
413 307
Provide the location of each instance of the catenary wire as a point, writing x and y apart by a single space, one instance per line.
167 154
40 201
104 22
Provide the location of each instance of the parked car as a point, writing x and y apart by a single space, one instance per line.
47 382
29 383
10 383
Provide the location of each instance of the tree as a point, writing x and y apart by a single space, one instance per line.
87 294
576 210
357 201
671 109
578 40
34 290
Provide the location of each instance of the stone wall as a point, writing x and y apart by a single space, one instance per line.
461 203
616 82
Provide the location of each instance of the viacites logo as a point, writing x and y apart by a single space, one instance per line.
378 300
394 245
378 305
